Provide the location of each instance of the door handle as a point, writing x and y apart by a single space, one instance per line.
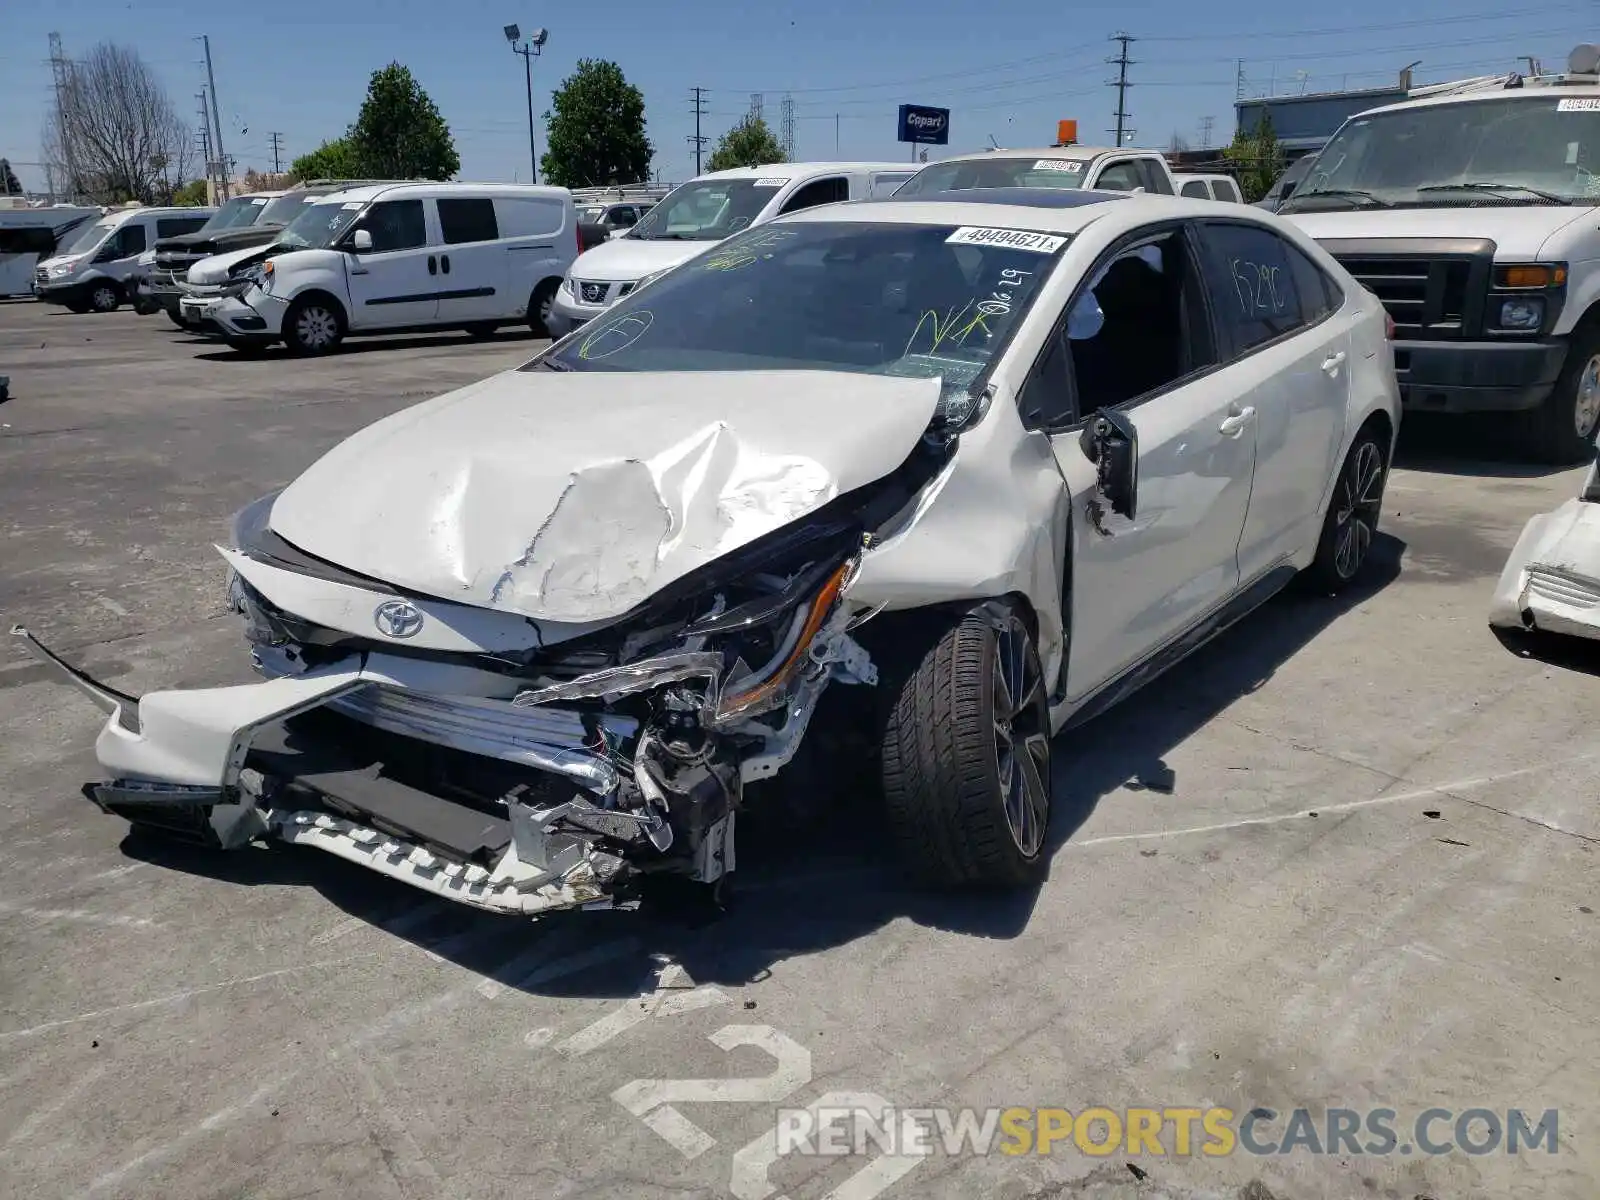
433 265
1233 426
444 261
1333 362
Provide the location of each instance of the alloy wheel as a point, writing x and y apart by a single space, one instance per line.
104 299
1360 499
1021 738
1586 405
316 327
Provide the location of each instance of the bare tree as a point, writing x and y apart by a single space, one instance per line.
113 133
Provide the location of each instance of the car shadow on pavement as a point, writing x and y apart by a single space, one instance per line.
1552 649
1474 447
798 891
220 352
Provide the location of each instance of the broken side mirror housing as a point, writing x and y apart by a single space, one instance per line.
361 241
1111 441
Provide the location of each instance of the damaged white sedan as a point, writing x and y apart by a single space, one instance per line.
949 473
1551 581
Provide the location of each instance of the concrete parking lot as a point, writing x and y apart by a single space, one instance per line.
1372 883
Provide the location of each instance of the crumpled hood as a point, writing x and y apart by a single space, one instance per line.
1518 233
573 497
622 260
215 269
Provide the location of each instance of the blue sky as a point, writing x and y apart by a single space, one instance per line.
1008 68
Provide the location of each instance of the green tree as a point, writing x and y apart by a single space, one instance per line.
190 195
399 133
748 144
596 129
1257 158
331 160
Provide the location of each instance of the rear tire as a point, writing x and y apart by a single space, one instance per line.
1351 523
175 318
966 757
539 306
313 326
1561 431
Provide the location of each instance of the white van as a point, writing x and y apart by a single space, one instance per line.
98 269
1208 187
393 257
699 214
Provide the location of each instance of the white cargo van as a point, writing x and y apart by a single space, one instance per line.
394 257
699 214
98 269
1472 213
1208 187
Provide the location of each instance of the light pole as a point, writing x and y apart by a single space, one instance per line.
529 51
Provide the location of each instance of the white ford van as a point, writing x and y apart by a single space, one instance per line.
99 268
393 257
699 214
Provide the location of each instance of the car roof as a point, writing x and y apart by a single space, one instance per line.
1069 153
401 191
800 170
1045 209
155 210
1566 91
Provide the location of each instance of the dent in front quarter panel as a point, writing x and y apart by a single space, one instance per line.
994 526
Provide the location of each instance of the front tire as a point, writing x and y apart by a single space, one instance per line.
313 326
1561 430
540 305
966 757
1351 522
172 315
104 296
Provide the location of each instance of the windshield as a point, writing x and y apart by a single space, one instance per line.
319 226
707 210
923 301
285 208
995 172
88 238
1518 150
235 214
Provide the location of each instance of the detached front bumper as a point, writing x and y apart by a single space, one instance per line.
1551 582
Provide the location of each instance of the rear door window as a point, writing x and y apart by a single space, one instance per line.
529 216
1252 282
818 191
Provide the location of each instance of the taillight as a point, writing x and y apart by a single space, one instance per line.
1388 326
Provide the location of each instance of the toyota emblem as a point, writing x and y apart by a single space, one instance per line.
397 619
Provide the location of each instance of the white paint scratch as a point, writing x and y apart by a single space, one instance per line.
1442 789
111 606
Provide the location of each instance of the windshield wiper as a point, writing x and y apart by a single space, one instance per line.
550 364
1496 188
1340 193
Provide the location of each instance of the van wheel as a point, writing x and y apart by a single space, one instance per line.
104 296
966 756
313 326
539 306
1561 431
172 315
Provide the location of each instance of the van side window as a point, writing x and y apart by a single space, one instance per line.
519 216
131 240
396 225
818 191
467 221
1229 190
177 226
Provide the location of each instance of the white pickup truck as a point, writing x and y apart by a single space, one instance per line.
1472 214
1096 167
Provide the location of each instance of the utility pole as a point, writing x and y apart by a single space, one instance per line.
787 139
277 152
1206 124
698 140
836 135
216 120
1238 81
203 136
61 73
757 106
1122 62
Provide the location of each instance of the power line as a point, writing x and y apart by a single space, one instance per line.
698 140
1122 62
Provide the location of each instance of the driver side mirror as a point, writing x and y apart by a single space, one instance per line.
361 241
1111 442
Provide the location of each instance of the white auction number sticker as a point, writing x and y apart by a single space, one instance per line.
1578 104
769 183
1014 239
1058 164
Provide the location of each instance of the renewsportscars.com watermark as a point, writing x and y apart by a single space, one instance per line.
1175 1132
